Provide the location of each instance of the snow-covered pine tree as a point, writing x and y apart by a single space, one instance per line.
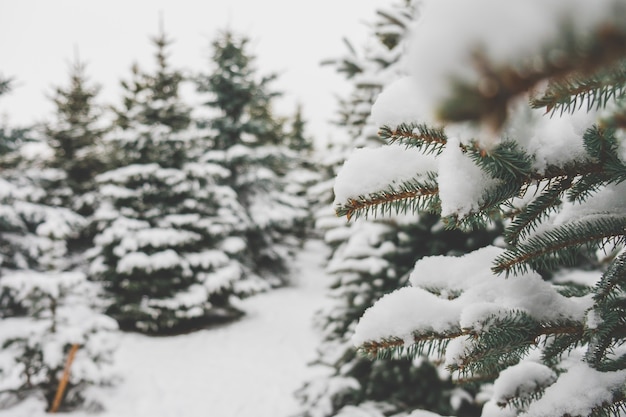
33 234
521 118
245 136
371 258
171 247
44 304
49 327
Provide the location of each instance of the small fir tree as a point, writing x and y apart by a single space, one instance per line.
244 136
49 333
530 132
296 138
304 172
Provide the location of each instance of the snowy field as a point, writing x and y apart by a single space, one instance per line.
249 368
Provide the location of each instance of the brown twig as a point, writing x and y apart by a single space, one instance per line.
64 379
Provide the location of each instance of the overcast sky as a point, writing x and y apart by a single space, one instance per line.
38 40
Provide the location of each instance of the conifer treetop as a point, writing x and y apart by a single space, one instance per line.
154 98
242 98
75 101
5 85
75 135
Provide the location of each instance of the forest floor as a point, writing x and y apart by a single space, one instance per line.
249 368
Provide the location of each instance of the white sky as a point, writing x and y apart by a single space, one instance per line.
38 39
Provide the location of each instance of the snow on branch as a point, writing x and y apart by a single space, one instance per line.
579 392
375 176
462 293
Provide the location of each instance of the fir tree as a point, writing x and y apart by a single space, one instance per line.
372 258
304 172
515 133
297 139
48 329
46 305
245 137
170 251
31 190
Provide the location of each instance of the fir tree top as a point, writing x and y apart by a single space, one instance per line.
243 101
296 137
153 98
5 85
153 120
76 132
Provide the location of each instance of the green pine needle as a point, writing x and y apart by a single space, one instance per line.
522 402
413 196
560 344
613 280
560 245
585 187
505 161
600 143
527 220
424 344
569 94
419 136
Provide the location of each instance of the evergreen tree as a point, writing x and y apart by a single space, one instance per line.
297 139
304 172
45 304
245 137
530 132
372 258
31 195
170 251
48 329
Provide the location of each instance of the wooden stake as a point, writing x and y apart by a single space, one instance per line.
64 379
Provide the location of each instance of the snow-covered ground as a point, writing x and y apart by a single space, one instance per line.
249 368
